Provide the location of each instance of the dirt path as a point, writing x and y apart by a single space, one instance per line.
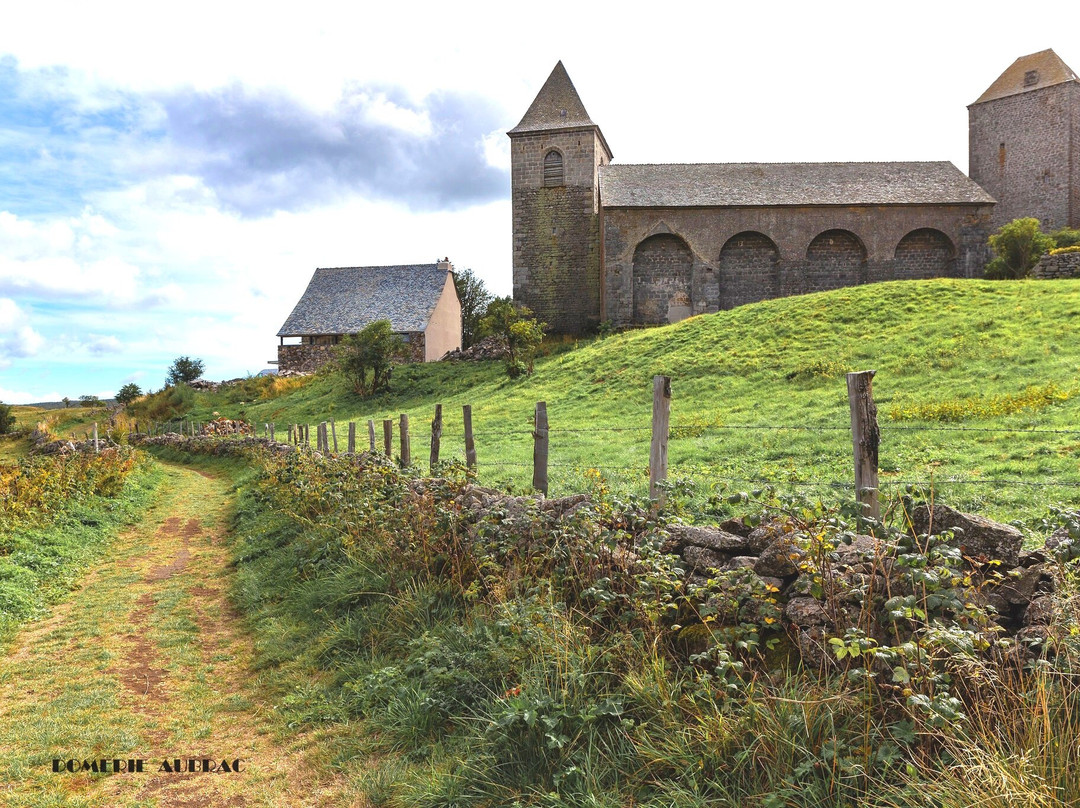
147 661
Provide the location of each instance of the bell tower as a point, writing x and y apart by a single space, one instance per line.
556 153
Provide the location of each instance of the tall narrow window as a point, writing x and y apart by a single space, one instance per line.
553 172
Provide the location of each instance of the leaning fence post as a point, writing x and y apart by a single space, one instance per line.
540 448
661 421
333 432
436 437
352 437
865 440
96 447
470 443
371 433
388 436
406 447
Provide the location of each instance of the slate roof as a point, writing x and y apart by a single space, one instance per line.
344 300
556 106
786 184
1049 68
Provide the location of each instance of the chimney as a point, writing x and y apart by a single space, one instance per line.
445 264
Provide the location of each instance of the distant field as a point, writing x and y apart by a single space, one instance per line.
759 395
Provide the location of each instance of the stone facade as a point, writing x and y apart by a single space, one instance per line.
1024 142
310 356
645 245
665 264
1062 265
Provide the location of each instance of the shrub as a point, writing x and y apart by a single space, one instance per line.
1017 247
517 329
184 370
7 419
1062 250
1066 237
367 358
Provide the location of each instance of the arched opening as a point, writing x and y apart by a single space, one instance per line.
663 269
553 169
925 253
835 258
747 269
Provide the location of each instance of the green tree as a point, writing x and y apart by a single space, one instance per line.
1017 247
128 393
519 332
66 402
184 370
7 419
366 358
89 401
474 298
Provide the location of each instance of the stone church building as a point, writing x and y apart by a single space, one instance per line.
639 245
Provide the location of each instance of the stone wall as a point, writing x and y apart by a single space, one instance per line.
732 256
306 358
1019 151
1062 265
556 229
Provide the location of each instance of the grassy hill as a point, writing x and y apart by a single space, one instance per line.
949 353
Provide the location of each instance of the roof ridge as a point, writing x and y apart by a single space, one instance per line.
556 106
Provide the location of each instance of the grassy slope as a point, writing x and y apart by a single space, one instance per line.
780 362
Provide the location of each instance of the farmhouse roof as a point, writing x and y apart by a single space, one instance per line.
556 106
786 184
1031 72
343 300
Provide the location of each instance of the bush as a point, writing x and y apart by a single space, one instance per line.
519 332
1017 247
184 370
7 419
366 358
1062 250
1066 237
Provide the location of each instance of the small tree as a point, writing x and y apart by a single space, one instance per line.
517 329
184 370
128 393
1017 247
7 419
66 402
366 358
89 401
474 298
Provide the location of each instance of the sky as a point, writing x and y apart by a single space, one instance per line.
171 176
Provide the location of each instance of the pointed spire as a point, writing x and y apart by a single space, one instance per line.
557 106
1031 72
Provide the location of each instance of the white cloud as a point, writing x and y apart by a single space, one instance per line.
23 397
17 339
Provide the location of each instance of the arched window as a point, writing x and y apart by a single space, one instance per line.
553 171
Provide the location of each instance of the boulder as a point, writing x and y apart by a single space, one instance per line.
1040 612
1020 589
780 559
805 612
977 537
711 537
701 559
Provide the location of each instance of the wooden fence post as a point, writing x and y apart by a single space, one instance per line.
352 437
540 448
388 436
436 437
273 432
371 433
406 448
470 444
320 436
96 448
661 421
333 432
865 439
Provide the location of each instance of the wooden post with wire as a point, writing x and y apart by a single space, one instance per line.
540 448
436 438
661 423
865 440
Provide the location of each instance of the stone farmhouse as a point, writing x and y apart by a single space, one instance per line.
419 300
640 245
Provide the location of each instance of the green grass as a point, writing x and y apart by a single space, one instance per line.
957 347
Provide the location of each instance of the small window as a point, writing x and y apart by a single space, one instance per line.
553 170
1031 78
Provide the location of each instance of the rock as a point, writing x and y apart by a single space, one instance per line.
780 559
1057 540
736 526
762 536
978 537
804 612
701 559
1021 589
1040 611
771 584
738 563
712 537
862 548
486 349
1033 640
814 648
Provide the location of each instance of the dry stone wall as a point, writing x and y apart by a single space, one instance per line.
1062 265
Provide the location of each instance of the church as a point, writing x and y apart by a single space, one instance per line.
638 245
